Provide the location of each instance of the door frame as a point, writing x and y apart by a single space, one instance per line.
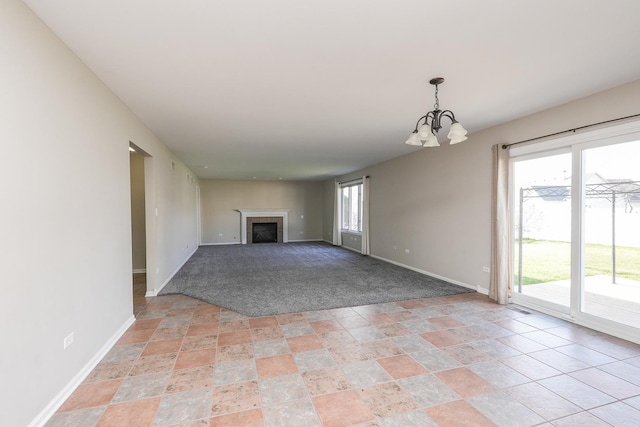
576 144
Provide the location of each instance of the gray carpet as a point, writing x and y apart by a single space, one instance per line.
274 278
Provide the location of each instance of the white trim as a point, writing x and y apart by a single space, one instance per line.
139 270
238 243
220 244
350 183
245 213
353 250
51 408
578 232
600 324
198 220
609 327
483 291
543 306
151 220
155 292
426 273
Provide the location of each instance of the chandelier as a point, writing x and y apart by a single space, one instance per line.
425 135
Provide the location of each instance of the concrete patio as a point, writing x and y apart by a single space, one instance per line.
618 301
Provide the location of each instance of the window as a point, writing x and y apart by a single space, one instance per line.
352 208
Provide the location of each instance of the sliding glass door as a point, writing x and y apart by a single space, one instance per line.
611 244
542 216
576 222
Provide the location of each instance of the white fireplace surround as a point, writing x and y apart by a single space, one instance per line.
246 213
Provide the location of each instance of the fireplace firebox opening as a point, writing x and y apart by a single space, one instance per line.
265 232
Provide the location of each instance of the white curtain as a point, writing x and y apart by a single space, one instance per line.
337 215
366 249
501 260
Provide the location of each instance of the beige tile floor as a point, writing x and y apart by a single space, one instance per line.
139 284
450 361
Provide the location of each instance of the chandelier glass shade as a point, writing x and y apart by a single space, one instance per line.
424 134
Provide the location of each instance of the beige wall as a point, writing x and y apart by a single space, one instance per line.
435 202
65 219
220 200
138 234
352 241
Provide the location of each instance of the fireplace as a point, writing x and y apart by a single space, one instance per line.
265 232
269 227
249 217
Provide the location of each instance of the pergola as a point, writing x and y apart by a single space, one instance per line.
612 190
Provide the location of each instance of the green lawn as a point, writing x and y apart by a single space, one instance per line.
546 261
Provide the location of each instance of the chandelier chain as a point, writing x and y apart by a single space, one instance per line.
436 106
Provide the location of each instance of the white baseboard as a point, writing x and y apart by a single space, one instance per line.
352 249
51 408
483 291
220 244
155 292
139 270
446 279
238 243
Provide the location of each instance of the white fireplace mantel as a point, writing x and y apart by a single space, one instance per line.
246 213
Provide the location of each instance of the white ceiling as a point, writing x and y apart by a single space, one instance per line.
311 89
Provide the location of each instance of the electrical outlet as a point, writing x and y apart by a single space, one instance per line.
68 340
486 269
406 251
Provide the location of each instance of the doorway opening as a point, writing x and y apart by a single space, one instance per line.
138 220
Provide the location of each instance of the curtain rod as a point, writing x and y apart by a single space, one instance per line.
505 146
353 180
